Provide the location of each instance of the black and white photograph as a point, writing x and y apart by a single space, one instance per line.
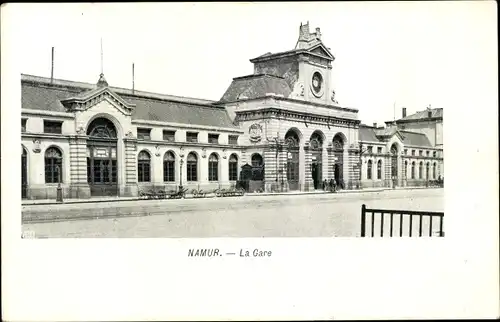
249 120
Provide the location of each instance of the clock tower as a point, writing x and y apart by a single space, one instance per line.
306 68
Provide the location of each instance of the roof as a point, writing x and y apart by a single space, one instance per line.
39 94
417 139
371 134
367 134
255 86
435 113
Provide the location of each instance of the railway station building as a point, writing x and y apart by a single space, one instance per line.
278 129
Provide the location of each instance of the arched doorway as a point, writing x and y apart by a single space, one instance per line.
338 155
316 146
24 173
102 165
394 164
292 141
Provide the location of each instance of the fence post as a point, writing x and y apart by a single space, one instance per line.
363 220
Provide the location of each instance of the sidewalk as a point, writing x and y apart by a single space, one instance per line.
190 196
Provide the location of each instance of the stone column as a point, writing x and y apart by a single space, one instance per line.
353 181
388 172
78 184
330 164
308 183
130 164
270 174
283 160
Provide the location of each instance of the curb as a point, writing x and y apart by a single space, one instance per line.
247 194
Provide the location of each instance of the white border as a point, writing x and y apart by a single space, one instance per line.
307 278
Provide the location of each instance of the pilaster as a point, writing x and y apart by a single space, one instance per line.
330 164
78 185
308 184
130 164
353 181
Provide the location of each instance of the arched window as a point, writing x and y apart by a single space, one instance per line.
405 173
233 167
379 169
192 167
413 170
213 167
427 171
369 170
420 170
257 160
169 167
53 165
144 167
434 171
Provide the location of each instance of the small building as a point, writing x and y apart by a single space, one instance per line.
407 152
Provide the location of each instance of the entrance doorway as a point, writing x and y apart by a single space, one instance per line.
292 165
394 165
316 146
338 153
24 174
337 173
316 174
102 165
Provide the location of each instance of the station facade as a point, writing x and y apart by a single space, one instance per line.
283 121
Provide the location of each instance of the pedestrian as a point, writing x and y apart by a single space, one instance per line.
325 185
332 185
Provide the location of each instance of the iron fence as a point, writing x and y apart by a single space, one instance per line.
401 223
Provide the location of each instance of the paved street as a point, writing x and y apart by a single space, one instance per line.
322 215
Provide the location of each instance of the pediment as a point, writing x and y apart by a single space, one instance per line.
321 50
88 99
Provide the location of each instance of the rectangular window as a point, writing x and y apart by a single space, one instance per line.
233 171
23 125
54 127
370 149
413 152
420 153
428 153
192 137
233 139
168 171
406 151
213 138
192 173
143 133
169 135
379 150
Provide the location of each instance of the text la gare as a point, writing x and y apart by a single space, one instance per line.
255 253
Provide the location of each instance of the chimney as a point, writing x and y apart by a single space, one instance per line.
304 31
52 68
404 112
375 125
318 33
429 113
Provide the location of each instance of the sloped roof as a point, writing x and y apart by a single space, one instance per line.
255 86
435 112
367 134
418 139
39 94
371 134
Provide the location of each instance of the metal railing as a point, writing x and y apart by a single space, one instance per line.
402 219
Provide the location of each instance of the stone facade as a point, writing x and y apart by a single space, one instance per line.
286 115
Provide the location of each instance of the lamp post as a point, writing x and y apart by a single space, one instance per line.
180 183
59 196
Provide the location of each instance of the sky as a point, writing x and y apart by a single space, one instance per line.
389 55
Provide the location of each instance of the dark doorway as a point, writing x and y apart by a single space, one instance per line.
316 174
337 173
24 175
102 165
292 165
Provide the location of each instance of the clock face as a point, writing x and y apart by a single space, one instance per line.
317 82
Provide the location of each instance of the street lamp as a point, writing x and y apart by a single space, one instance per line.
59 196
